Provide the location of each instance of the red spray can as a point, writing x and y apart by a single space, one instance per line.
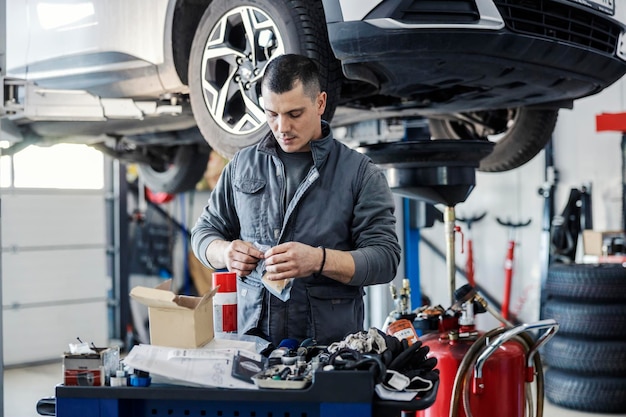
225 302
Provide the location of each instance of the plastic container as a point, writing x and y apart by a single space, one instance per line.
225 303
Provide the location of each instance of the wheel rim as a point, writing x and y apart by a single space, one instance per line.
232 68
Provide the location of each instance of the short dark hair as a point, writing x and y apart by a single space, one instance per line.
283 72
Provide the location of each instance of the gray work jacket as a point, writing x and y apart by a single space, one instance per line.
343 203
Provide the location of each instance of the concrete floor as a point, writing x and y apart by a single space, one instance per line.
23 387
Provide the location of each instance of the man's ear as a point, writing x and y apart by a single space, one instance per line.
320 103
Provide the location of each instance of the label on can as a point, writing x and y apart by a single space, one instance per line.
403 329
225 312
83 377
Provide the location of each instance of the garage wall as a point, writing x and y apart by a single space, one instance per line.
583 158
54 275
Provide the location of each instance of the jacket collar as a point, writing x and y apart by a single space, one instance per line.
320 148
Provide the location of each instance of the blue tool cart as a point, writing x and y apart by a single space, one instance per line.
332 393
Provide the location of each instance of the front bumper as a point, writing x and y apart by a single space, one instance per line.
461 67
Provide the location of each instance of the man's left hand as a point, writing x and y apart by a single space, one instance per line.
292 260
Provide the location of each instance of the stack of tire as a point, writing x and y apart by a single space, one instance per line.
586 359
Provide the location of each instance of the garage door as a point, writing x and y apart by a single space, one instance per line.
54 279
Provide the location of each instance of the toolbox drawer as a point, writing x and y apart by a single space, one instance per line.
332 393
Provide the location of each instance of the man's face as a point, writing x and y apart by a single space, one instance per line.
295 119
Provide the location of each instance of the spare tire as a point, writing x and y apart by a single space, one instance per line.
587 282
586 355
604 321
586 393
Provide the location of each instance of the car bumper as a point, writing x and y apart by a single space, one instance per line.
460 67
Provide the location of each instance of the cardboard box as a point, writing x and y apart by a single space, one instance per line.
177 320
593 240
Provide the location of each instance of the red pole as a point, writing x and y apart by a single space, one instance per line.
508 278
469 263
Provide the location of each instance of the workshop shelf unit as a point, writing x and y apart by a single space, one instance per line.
332 393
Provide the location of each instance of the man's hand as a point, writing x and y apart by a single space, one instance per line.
238 256
242 257
292 260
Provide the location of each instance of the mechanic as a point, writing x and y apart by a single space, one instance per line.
325 212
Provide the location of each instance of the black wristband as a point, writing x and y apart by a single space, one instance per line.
319 273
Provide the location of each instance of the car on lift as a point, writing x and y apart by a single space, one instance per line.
154 82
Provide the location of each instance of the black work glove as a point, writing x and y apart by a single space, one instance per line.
412 358
395 346
416 369
419 379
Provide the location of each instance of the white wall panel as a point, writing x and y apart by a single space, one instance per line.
587 156
52 218
54 272
44 333
53 275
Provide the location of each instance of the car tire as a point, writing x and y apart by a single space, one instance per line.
585 393
586 355
519 133
604 321
186 166
224 75
587 282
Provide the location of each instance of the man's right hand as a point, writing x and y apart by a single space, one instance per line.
238 256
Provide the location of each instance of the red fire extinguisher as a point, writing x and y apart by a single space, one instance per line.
483 374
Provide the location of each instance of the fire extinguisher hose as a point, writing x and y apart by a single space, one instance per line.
462 386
